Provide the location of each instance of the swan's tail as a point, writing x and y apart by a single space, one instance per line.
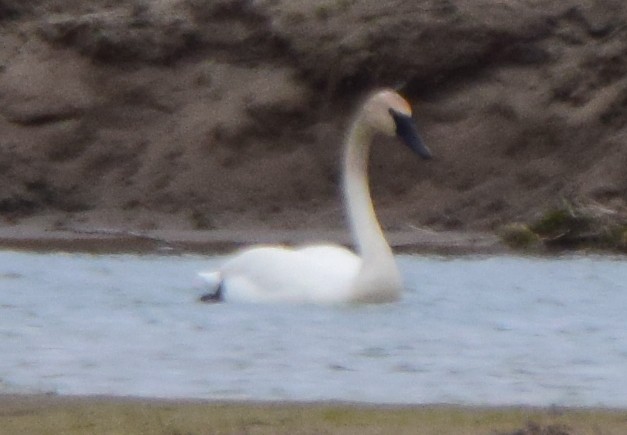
211 285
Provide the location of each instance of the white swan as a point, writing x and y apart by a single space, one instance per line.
328 273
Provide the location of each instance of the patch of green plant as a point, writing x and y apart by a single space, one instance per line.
570 226
615 236
519 236
561 222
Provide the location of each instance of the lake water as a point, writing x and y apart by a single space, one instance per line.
470 330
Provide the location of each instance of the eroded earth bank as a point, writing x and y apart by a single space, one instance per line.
229 115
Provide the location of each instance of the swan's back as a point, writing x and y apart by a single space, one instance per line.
315 274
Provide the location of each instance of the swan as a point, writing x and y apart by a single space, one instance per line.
325 273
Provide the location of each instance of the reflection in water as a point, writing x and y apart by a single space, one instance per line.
488 330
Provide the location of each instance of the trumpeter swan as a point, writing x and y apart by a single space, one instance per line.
329 273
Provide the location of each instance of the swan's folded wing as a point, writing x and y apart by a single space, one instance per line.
335 259
317 274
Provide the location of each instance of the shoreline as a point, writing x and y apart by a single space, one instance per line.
47 413
9 399
223 241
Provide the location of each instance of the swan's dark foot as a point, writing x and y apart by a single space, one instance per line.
213 298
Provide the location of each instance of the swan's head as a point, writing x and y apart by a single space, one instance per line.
389 113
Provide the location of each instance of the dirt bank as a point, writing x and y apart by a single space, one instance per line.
229 114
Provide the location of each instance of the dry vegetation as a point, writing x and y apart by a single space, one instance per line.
107 416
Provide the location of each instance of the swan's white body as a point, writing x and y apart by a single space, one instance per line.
328 274
318 274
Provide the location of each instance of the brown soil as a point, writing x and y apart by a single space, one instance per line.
229 114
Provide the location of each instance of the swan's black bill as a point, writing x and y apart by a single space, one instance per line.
407 131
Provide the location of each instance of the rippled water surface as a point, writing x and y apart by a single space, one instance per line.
495 330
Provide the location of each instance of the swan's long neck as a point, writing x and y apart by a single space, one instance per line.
370 241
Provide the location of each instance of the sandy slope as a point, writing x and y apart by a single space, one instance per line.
229 114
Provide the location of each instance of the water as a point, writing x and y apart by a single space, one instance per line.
489 330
